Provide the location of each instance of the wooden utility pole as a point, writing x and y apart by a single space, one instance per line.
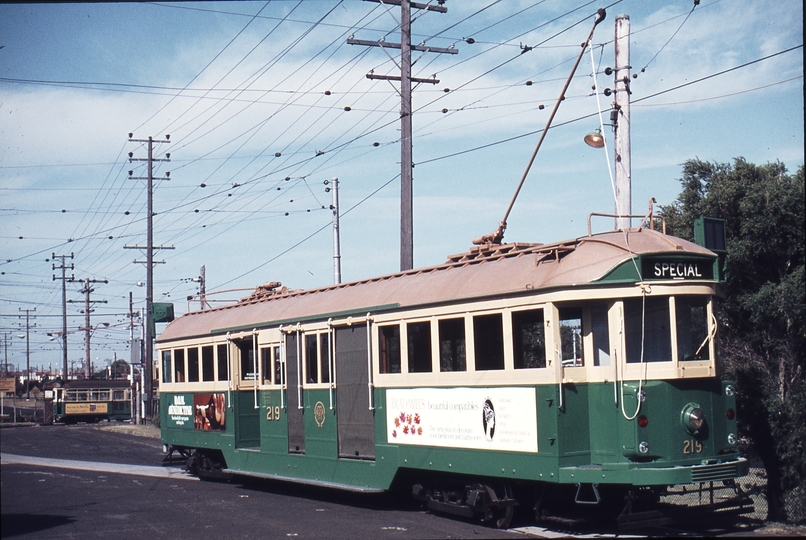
27 351
621 125
86 291
149 248
405 78
64 279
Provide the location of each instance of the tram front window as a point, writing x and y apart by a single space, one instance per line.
692 328
647 331
571 337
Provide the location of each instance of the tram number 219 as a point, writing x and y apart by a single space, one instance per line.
692 446
272 413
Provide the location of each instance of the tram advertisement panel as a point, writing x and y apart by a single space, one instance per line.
85 408
180 411
476 418
209 412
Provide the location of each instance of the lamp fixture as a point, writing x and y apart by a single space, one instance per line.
595 139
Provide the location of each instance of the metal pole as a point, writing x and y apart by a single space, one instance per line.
621 126
406 165
336 244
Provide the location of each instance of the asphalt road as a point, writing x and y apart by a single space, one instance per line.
115 487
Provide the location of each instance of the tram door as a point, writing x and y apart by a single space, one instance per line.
356 422
294 415
247 427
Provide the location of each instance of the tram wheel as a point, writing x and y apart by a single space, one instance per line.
503 515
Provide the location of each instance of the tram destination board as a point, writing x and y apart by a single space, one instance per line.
686 269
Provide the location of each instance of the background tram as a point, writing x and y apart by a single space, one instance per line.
92 401
576 377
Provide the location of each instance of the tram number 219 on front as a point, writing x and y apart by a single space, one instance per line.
692 446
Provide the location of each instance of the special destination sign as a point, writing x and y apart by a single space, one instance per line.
677 269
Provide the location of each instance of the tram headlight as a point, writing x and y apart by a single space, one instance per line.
693 418
732 439
643 447
729 390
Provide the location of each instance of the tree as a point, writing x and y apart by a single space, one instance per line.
762 319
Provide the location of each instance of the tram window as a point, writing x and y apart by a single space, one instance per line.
222 362
265 361
166 366
488 341
179 364
310 358
247 355
452 355
601 336
389 339
571 337
419 342
278 367
193 364
656 339
118 395
324 356
207 363
529 339
692 328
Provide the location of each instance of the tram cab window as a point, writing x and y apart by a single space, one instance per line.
656 340
207 363
193 364
279 368
452 356
691 315
223 372
247 356
488 341
179 364
601 337
529 339
166 366
418 339
265 362
571 337
272 364
389 340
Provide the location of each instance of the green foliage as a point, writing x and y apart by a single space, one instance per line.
762 319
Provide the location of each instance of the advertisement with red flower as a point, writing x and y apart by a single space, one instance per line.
477 418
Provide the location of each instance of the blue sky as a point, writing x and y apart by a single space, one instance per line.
237 83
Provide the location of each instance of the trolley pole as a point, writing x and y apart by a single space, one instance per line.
621 125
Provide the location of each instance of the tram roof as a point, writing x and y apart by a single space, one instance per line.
484 272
